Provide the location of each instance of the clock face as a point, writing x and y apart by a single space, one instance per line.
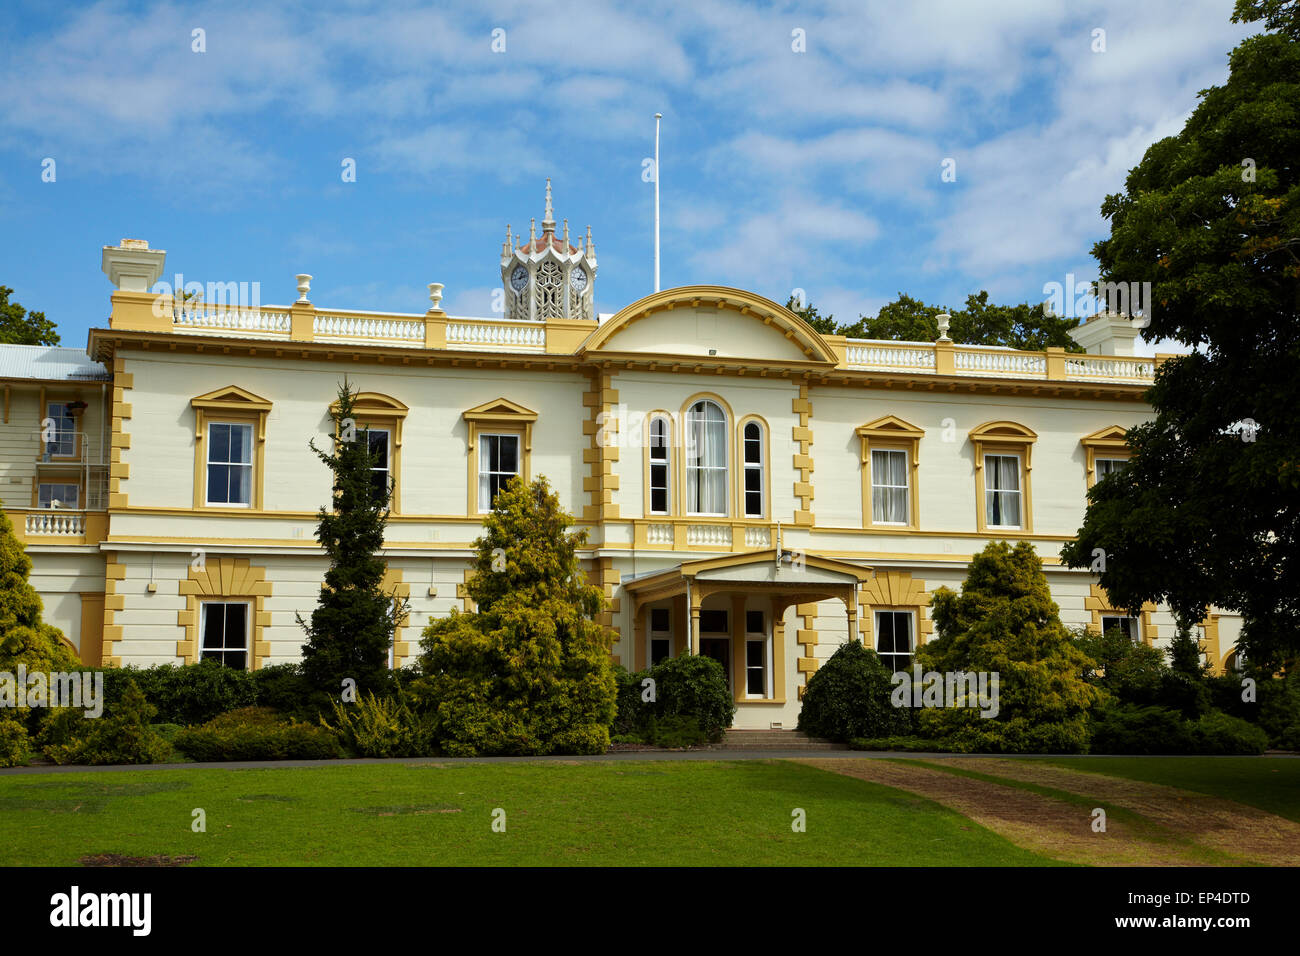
578 279
519 278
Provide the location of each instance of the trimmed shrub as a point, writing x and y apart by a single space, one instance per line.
631 712
1219 733
1120 728
694 686
120 737
849 697
184 694
15 744
257 733
910 744
382 727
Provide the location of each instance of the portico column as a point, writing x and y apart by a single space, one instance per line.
851 606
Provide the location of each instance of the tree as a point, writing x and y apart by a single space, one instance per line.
1023 326
1005 622
352 628
1207 512
527 671
24 638
824 324
20 327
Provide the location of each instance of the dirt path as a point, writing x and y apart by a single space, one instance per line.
1050 827
1245 832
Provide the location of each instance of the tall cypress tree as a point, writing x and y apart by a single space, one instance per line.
352 627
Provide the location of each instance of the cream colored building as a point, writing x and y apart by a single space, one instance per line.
753 490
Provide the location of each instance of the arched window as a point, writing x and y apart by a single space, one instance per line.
706 459
660 496
753 461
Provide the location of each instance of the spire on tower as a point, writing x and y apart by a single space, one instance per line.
548 223
566 235
508 245
532 230
591 246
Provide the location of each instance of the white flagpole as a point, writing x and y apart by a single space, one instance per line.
658 117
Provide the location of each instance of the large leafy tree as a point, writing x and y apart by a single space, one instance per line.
1208 509
1005 622
352 627
20 327
527 671
907 319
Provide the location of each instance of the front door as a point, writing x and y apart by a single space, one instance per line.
719 648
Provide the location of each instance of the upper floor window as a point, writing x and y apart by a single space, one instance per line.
1106 451
753 453
1107 466
706 459
660 441
230 464
889 486
58 495
379 441
1002 493
498 463
60 431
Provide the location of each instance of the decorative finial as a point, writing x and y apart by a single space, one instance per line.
532 230
435 296
508 244
304 286
591 246
548 223
566 235
943 318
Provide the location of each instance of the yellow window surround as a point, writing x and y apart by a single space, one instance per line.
1104 443
379 411
892 433
237 406
497 417
1004 438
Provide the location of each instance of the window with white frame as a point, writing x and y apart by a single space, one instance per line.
661 638
1128 625
225 633
498 462
379 441
706 459
660 500
1002 493
57 495
757 649
889 491
230 464
1107 466
894 639
61 440
753 450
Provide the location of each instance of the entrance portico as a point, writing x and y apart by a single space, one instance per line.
733 609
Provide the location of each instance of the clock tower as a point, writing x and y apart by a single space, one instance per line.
547 277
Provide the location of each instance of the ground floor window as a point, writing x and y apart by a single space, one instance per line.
661 638
225 633
894 639
756 655
1121 622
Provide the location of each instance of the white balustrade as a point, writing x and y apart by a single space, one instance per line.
56 523
1110 367
756 537
711 535
521 335
659 534
890 357
366 327
999 363
237 320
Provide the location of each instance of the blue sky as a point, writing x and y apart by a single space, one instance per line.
819 170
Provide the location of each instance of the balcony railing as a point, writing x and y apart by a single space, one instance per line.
994 362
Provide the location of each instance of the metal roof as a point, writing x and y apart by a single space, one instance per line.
50 363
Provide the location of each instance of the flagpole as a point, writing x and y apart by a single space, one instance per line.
658 117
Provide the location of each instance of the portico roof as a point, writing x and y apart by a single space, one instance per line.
813 576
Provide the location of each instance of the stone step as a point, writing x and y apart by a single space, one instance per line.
774 740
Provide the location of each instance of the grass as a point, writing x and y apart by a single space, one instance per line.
652 813
1268 783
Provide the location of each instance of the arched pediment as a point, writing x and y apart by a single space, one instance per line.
374 403
710 321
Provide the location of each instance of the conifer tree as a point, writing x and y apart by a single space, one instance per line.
24 637
528 670
1005 622
352 627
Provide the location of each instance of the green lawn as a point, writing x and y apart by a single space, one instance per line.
668 813
1269 783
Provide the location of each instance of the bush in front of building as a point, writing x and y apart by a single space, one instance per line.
15 744
121 737
1120 728
382 727
257 733
1005 622
528 670
24 638
1272 703
690 704
848 697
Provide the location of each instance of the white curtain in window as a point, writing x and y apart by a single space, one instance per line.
1002 475
706 459
889 487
